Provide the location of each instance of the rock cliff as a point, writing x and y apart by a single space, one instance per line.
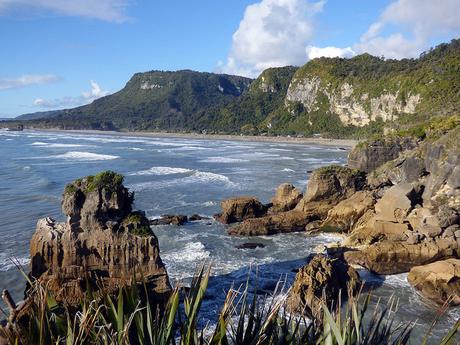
103 245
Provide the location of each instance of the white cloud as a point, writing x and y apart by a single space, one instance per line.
66 102
26 80
272 33
107 10
417 23
316 52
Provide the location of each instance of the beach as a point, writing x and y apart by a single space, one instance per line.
348 143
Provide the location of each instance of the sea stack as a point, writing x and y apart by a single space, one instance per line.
103 245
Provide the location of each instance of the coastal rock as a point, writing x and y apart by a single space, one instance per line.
286 198
322 276
103 244
370 155
396 203
250 245
283 222
328 186
168 219
345 215
438 281
378 230
388 257
241 208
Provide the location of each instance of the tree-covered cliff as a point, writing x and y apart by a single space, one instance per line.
334 96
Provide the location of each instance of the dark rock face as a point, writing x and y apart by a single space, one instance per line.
369 157
241 208
320 274
168 219
438 281
103 243
250 245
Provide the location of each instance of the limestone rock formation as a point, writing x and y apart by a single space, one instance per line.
391 257
241 208
283 222
328 186
439 281
347 213
286 198
103 244
369 157
322 276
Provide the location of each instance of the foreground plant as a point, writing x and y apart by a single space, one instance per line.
244 319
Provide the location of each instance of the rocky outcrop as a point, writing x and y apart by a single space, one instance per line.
241 208
327 187
346 214
391 257
368 157
286 198
321 277
168 219
438 281
104 244
283 222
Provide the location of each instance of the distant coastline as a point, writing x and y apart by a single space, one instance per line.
346 143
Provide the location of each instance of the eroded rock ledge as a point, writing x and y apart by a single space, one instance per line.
103 243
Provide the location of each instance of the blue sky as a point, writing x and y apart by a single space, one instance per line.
58 53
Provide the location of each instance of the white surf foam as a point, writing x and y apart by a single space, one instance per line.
288 170
54 145
84 156
192 251
161 171
197 177
222 160
6 264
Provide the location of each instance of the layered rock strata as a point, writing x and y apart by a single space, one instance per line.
104 245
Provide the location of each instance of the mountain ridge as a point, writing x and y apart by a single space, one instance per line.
337 97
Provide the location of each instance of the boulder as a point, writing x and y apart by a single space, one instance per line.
283 222
240 208
368 156
328 186
396 203
103 244
250 245
378 230
168 219
286 198
388 257
438 281
345 215
322 276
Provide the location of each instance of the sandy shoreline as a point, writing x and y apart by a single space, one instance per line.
348 143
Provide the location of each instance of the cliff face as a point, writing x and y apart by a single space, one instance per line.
103 243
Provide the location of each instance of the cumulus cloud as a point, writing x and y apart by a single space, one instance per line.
26 80
107 10
417 22
272 33
66 102
316 52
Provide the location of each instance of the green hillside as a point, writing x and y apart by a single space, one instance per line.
337 97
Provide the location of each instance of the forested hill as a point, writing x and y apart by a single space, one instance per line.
333 96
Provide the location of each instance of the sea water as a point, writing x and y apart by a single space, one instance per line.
181 176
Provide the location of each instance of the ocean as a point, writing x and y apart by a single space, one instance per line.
181 176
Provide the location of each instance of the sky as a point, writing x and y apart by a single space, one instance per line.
57 54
